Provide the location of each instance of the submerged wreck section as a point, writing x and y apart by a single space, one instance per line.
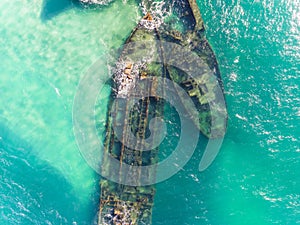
205 87
125 199
120 202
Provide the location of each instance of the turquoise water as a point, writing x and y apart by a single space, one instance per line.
46 46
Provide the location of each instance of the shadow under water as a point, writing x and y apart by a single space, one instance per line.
52 8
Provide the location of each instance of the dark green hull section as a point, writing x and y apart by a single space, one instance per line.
121 203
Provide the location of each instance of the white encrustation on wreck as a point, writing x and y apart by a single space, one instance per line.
121 203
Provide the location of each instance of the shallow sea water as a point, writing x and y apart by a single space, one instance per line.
45 48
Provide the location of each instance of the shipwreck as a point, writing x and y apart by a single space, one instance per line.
127 200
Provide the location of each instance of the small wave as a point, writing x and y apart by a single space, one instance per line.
159 11
97 2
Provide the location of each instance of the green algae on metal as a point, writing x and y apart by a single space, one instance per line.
132 204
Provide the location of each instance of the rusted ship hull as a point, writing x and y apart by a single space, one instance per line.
121 203
126 203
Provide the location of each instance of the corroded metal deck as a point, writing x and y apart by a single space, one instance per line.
132 204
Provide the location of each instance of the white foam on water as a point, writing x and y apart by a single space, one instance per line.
159 11
98 2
